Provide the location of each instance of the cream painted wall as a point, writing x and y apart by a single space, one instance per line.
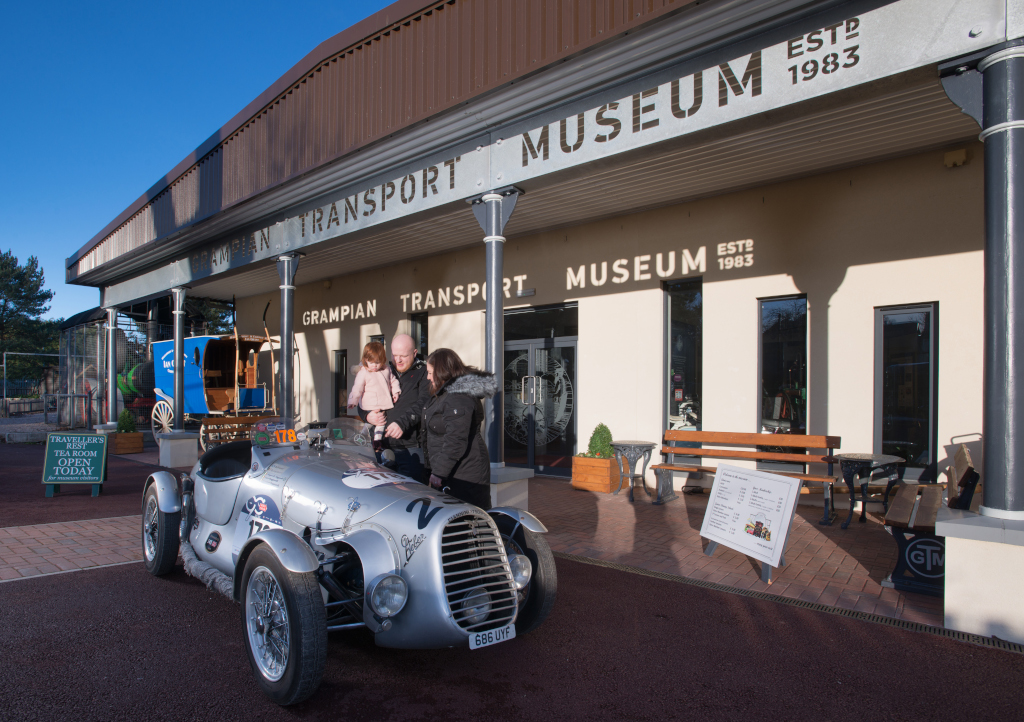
620 366
461 332
852 342
851 240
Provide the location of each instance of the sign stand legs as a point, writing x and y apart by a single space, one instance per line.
52 489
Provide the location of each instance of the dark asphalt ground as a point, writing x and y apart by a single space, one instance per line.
115 643
24 503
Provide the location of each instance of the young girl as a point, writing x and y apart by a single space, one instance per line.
375 387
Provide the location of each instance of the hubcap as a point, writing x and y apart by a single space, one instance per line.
150 529
267 625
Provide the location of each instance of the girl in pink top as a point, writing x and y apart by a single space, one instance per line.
375 387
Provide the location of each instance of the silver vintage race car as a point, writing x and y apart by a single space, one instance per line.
312 535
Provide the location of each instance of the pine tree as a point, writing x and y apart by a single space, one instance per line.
23 299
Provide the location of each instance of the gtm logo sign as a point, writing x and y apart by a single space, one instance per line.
926 557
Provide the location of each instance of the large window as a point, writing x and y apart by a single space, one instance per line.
906 360
784 365
684 312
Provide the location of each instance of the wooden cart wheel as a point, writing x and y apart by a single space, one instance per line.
162 417
204 436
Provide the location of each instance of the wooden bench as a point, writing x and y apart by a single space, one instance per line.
217 430
797 449
921 555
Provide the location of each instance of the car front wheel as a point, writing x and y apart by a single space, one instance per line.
159 535
537 596
285 628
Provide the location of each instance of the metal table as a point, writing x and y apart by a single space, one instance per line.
861 465
632 451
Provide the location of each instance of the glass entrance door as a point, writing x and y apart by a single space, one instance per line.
540 404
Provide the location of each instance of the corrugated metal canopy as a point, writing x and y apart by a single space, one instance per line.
887 119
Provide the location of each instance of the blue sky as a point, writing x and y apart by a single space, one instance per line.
102 100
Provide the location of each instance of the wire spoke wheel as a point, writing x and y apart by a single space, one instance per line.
150 529
162 417
267 623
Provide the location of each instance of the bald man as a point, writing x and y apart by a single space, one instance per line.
404 433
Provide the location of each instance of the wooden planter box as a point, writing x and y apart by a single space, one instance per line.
590 474
125 443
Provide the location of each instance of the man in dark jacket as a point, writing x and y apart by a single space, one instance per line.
404 434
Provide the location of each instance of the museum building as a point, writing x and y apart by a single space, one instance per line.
733 216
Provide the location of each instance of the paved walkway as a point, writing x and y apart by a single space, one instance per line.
827 565
31 551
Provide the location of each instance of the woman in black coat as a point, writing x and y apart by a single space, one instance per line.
453 417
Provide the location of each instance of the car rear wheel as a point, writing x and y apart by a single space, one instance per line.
159 535
537 597
285 628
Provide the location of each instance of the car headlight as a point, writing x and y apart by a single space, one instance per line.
476 605
522 569
388 594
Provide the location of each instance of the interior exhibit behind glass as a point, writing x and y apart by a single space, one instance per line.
683 362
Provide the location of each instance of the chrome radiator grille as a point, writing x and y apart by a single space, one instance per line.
473 558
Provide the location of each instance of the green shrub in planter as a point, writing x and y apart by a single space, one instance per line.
600 446
125 422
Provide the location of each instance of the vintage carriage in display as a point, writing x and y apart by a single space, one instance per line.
222 388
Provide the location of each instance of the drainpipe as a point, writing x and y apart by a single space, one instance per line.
178 313
492 211
286 267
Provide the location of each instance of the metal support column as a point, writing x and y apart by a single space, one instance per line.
178 312
151 328
286 267
111 365
1003 422
492 211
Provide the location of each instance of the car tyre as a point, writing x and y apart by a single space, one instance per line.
285 627
543 584
159 535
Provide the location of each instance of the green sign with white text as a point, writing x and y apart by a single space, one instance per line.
75 458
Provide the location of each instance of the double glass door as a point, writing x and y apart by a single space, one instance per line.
540 404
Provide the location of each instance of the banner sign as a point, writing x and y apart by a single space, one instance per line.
75 458
751 511
855 50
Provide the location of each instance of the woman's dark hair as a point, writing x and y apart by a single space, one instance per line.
447 366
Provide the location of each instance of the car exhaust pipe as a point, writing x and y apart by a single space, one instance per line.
215 580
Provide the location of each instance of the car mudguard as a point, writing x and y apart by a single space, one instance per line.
289 548
167 496
523 517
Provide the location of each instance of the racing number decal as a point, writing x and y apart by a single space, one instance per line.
285 436
426 513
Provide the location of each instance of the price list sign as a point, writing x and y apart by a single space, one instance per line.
750 511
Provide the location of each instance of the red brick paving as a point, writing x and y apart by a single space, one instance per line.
29 551
826 565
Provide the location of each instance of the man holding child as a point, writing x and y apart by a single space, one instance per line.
404 432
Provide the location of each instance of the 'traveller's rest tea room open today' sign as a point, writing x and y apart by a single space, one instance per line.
782 234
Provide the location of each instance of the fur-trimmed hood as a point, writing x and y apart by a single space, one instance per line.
478 384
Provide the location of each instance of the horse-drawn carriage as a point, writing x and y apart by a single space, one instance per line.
222 388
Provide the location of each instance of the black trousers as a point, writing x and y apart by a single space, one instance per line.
475 494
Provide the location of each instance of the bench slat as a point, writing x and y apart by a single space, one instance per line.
931 500
752 455
901 508
795 441
712 470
